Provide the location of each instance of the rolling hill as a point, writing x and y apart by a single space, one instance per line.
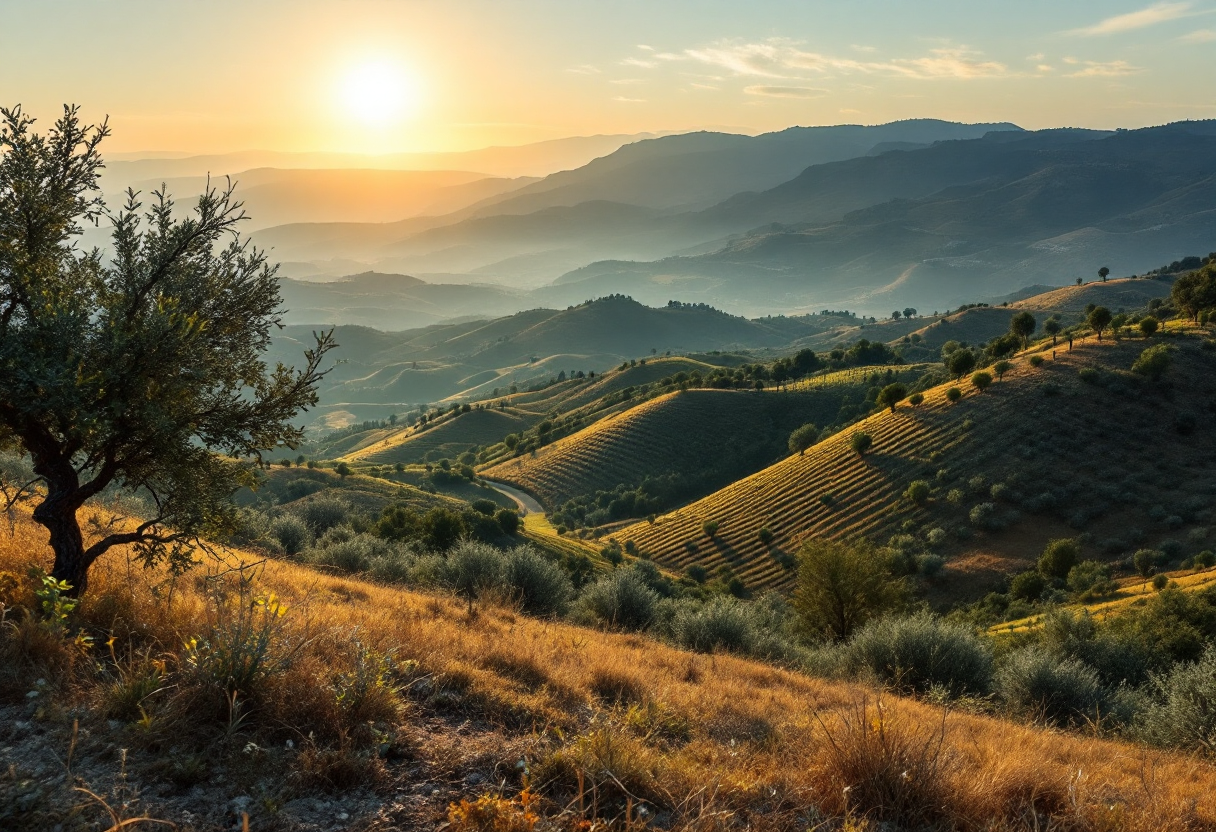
1096 453
703 438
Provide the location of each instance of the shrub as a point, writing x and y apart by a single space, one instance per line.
1001 367
1089 375
246 645
1036 360
892 395
473 568
292 532
541 586
843 585
916 399
1059 557
929 566
1205 559
1183 713
954 394
619 600
936 536
1033 682
921 653
1145 561
861 442
765 535
507 520
322 513
710 527
1089 580
1028 585
984 515
981 380
1160 582
1154 361
918 492
723 623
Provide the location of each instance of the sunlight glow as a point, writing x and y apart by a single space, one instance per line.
378 93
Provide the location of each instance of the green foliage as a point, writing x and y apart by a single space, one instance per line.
1001 367
322 513
765 535
1089 375
55 600
861 442
156 352
1099 319
725 623
247 643
292 532
710 527
620 600
960 362
920 654
981 380
473 568
916 399
1183 709
918 492
1036 361
1148 325
1035 683
1059 557
541 587
843 585
803 438
1028 585
1022 325
1146 560
1090 580
892 395
954 394
1195 291
1154 361
507 520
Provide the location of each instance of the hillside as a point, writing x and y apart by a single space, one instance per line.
698 439
1032 208
446 440
1040 455
633 726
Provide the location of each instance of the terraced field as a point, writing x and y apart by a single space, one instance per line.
858 375
449 438
1070 456
695 433
1124 293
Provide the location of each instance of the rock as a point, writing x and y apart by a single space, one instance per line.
474 779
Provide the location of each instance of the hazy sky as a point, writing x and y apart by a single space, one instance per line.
393 75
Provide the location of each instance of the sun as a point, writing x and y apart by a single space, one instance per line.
378 93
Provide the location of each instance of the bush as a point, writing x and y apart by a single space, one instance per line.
765 535
323 513
1154 361
710 527
984 515
929 566
981 380
1036 361
861 442
508 520
1183 713
619 600
1028 586
541 586
921 653
916 399
292 532
1145 561
473 568
1032 682
1059 557
342 549
1089 375
918 492
1089 580
723 623
954 394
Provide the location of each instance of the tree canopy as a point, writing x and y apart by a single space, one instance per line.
843 585
144 371
1195 291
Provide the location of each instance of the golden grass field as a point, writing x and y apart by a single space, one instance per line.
620 728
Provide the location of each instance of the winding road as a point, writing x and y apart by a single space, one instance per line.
527 504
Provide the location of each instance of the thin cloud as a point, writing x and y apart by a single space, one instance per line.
638 62
861 48
785 92
1199 36
1105 69
782 59
625 100
1150 16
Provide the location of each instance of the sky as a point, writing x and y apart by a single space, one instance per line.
381 76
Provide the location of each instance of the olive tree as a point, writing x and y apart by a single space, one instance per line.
892 395
1099 318
981 380
803 438
145 371
1148 326
1023 325
842 585
1103 273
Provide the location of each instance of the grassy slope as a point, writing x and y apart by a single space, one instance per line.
1107 451
450 438
681 432
703 740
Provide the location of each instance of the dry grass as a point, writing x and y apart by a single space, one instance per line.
612 727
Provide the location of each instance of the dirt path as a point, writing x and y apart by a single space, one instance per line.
527 504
